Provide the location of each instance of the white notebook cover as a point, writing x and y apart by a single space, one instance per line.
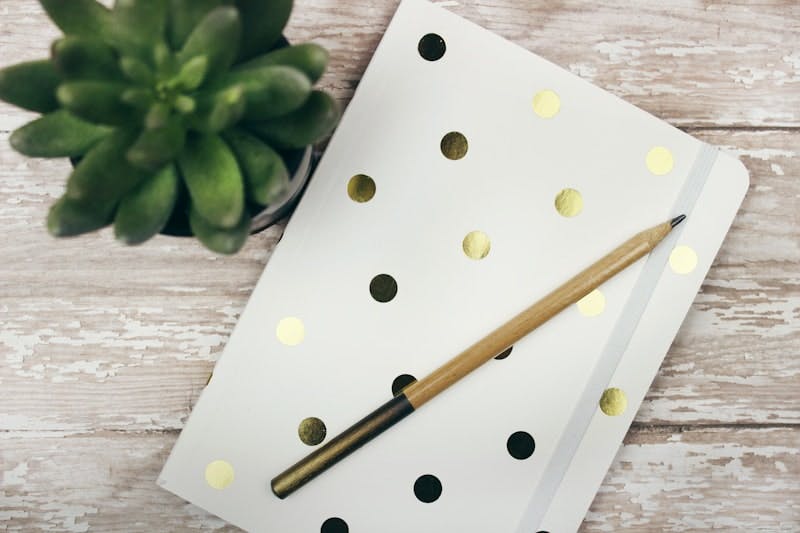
522 151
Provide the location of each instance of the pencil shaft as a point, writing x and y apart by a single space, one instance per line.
537 314
456 368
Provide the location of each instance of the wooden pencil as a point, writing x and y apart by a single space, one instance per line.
420 392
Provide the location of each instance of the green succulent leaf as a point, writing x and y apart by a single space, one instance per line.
304 126
213 179
156 147
139 98
184 15
137 70
184 104
84 18
263 23
146 19
163 59
69 217
191 74
309 58
222 241
219 110
57 134
157 116
145 211
30 85
217 37
265 174
104 176
271 91
84 58
133 26
97 101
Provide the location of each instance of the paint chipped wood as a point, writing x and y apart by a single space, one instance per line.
662 480
99 342
733 63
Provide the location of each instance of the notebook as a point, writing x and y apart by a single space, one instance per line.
467 178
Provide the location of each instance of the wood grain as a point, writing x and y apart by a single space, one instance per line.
662 480
732 63
104 349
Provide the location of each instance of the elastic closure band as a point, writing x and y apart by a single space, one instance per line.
617 343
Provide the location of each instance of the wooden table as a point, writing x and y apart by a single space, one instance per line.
104 349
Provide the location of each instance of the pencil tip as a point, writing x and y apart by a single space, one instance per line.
677 220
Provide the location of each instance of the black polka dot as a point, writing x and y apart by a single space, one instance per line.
428 488
505 353
520 445
334 525
401 382
431 47
383 288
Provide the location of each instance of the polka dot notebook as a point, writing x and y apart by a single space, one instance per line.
467 179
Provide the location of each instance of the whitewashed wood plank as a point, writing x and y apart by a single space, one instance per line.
736 358
691 63
767 227
733 479
103 482
698 479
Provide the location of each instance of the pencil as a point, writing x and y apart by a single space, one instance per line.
420 392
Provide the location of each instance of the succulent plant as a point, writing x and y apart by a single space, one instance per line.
178 115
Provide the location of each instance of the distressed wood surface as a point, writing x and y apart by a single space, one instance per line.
104 349
731 479
691 62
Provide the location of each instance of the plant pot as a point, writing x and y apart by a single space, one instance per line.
283 206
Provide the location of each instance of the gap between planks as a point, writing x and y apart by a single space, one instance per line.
638 428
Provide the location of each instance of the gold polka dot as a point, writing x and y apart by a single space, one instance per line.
454 145
569 202
659 160
312 431
592 304
546 103
682 259
613 402
219 474
476 245
290 331
361 188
